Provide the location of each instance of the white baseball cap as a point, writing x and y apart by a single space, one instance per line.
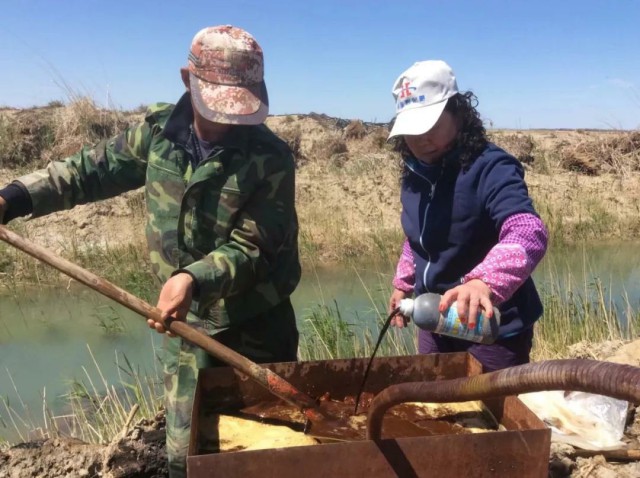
421 93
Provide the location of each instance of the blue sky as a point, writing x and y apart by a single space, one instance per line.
542 64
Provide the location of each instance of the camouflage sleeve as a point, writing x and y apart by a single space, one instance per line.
266 229
111 167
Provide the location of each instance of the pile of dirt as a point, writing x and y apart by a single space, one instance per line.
594 351
117 221
140 453
56 457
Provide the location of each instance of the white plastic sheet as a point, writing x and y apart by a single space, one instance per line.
584 420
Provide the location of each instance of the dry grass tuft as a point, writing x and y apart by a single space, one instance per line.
328 147
82 123
355 130
32 137
24 136
521 146
616 153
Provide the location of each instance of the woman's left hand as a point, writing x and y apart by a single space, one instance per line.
470 297
398 320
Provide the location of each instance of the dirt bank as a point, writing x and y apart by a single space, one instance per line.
586 184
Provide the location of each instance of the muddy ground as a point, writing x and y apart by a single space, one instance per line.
138 453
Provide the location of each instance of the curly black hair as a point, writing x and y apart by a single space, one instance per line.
472 136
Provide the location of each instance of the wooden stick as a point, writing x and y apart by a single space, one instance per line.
620 454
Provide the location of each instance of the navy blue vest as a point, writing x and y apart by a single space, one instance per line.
452 218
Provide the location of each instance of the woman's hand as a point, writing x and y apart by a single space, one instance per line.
174 301
470 296
398 320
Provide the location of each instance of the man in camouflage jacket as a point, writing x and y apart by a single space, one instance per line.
221 228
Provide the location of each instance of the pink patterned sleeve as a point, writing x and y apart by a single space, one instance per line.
521 245
406 270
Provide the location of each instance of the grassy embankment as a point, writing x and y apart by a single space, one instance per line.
583 184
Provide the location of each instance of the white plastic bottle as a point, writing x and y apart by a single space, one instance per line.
424 311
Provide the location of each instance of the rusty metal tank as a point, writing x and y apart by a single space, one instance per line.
518 448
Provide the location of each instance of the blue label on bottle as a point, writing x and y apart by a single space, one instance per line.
451 325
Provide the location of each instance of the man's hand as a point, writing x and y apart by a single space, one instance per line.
174 301
3 209
399 320
471 296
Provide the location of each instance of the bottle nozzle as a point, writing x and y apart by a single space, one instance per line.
406 307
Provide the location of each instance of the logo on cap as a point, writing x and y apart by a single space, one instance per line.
406 96
406 89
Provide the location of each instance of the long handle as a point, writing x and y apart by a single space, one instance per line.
265 377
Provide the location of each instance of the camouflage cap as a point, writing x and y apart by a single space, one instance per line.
226 71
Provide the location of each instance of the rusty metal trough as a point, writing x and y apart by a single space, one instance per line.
521 450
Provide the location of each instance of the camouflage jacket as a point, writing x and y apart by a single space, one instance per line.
231 222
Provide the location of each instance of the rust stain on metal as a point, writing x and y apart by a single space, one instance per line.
521 450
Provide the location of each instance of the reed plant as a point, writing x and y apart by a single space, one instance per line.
96 412
329 332
579 307
100 411
326 335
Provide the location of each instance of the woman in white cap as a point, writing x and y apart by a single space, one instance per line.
472 233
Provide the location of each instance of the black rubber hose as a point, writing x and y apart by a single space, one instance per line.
382 333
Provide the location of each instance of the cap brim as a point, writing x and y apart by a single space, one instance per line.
414 121
230 104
